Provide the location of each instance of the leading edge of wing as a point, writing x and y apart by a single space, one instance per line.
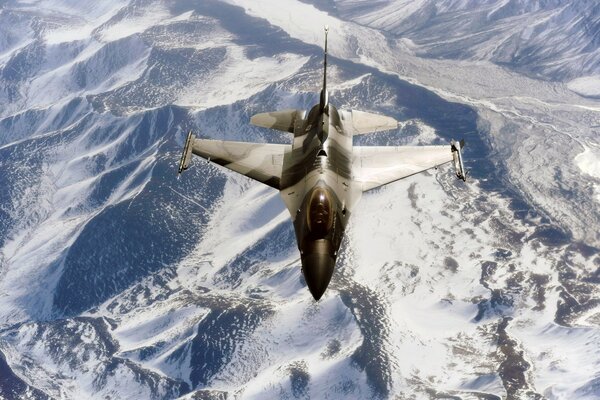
260 161
375 166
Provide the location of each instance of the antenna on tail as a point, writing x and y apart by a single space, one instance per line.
324 102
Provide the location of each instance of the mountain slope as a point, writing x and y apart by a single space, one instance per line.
118 280
557 40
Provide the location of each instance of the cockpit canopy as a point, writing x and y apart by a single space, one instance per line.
320 212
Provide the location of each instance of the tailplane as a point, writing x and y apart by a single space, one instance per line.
285 120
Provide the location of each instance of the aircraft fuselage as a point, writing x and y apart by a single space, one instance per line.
321 176
318 190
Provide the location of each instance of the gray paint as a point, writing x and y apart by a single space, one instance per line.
321 176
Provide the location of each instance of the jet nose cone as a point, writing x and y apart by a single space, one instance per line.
318 269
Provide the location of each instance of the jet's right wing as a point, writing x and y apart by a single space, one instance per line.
260 161
375 166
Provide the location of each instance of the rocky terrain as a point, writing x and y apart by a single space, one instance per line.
118 280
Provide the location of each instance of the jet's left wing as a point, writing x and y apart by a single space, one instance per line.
376 166
260 161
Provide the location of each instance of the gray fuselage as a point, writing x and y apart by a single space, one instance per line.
318 190
321 176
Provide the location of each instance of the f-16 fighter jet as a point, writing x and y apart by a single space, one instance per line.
321 175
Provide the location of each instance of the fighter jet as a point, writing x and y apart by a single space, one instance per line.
321 175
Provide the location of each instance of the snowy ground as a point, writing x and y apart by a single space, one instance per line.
119 281
519 112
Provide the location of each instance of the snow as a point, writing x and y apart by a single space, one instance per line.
136 23
342 36
77 28
288 12
224 86
395 251
586 85
89 8
501 97
566 357
424 321
242 216
550 40
269 374
589 163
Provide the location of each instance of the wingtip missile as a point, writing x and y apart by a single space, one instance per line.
186 156
456 148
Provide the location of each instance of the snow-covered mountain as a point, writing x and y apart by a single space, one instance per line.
118 280
555 39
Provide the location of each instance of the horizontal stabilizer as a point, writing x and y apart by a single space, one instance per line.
284 120
360 122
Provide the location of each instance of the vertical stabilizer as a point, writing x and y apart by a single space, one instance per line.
324 101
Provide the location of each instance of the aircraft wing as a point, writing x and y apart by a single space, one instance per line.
376 166
260 161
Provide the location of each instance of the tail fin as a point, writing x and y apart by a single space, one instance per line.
324 101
